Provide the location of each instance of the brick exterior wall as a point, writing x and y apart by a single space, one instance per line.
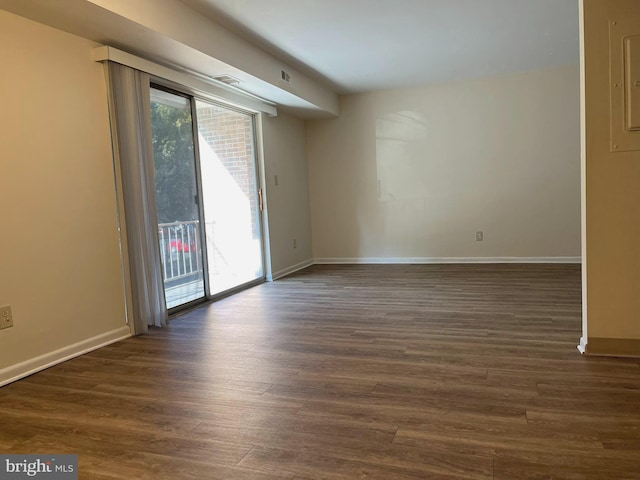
230 135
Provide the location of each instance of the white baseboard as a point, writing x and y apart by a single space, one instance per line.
582 347
415 260
289 270
28 367
426 260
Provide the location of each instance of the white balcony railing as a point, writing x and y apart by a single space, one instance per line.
180 249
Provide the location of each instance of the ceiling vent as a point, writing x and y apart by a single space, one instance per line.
228 79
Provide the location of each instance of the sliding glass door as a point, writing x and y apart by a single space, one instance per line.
209 203
231 196
177 197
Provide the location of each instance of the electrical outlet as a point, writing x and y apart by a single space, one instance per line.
479 236
295 243
6 317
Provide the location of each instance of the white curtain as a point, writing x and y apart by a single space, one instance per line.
130 111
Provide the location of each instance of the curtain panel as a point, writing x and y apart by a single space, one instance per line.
130 112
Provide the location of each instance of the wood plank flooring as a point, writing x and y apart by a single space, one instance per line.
348 372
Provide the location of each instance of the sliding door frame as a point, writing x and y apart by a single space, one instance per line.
259 188
193 95
199 190
196 158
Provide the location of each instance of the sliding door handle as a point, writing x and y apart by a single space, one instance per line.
260 200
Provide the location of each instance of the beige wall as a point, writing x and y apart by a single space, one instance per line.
60 258
612 190
414 173
288 202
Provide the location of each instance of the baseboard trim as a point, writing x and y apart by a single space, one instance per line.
582 346
31 366
613 347
427 260
289 270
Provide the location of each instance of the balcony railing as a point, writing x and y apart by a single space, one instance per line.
180 249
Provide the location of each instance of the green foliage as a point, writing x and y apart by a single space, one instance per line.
173 153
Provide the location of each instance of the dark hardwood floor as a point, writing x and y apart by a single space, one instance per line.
348 372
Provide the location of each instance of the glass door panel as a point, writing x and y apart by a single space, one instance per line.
230 196
179 226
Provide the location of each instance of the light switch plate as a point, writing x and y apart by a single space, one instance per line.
6 317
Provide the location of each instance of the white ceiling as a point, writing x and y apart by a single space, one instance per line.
363 45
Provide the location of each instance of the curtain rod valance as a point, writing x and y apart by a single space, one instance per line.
211 88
